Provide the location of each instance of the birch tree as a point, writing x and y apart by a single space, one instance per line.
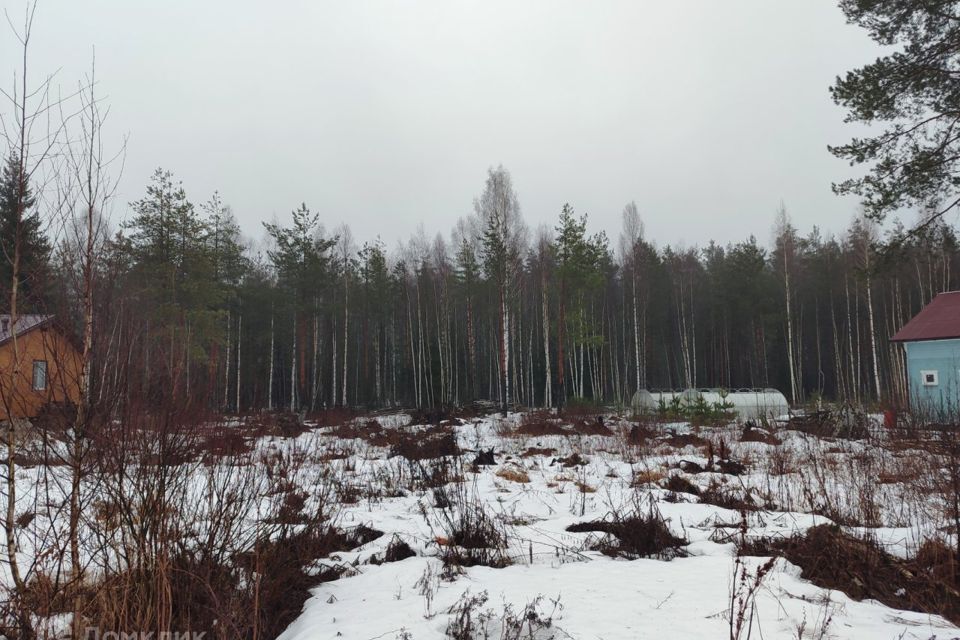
498 210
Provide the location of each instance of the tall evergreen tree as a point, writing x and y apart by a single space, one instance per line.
911 98
20 223
167 238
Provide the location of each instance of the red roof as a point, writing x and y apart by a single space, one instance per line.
939 320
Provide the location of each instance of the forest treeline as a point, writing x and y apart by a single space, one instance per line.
493 311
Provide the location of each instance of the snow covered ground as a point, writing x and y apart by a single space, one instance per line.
574 592
555 584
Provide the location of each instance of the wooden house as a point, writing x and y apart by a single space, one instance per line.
932 343
39 365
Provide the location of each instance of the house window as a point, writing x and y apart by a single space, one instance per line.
930 378
39 375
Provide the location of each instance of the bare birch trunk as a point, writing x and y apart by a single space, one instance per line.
293 367
239 335
270 373
346 331
548 376
873 339
794 390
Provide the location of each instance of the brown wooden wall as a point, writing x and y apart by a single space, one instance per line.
18 399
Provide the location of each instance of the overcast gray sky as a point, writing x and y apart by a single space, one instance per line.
387 114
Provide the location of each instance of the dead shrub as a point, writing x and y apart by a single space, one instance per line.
470 619
728 497
861 568
634 532
332 417
291 507
434 473
640 434
647 476
781 461
220 441
537 451
467 533
752 433
396 551
591 427
513 474
369 431
539 424
686 440
285 580
437 416
221 596
849 422
47 596
436 442
584 487
573 460
678 484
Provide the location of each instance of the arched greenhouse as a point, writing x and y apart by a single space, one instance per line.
747 404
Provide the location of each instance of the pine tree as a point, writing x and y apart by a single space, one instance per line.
17 203
167 238
913 94
301 261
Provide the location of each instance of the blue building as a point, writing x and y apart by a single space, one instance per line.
932 343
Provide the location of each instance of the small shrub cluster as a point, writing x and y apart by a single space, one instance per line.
591 426
727 496
537 451
541 423
468 535
634 532
678 484
848 422
397 550
697 411
432 443
752 433
410 443
471 619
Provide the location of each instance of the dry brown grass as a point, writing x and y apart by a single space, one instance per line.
513 474
537 451
647 476
861 568
584 487
539 424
